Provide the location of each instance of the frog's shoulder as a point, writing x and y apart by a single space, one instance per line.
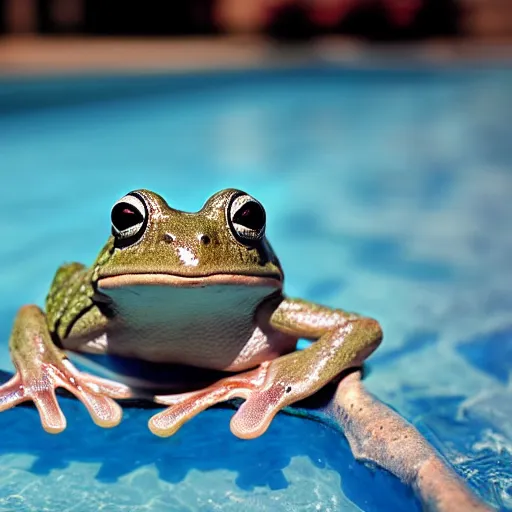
67 283
65 273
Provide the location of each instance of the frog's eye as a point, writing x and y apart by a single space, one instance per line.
128 217
247 218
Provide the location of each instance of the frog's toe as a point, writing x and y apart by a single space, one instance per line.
255 415
169 421
282 385
52 418
107 387
15 392
102 409
183 407
96 394
11 393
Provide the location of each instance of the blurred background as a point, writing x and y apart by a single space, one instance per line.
376 20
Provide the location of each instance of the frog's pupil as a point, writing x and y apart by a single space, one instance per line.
251 215
125 216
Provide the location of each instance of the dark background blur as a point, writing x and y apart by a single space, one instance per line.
285 20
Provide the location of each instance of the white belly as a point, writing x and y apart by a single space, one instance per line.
218 327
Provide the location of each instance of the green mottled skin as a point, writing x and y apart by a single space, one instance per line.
192 253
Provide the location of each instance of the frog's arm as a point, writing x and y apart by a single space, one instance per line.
41 367
343 340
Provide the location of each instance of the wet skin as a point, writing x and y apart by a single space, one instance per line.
201 289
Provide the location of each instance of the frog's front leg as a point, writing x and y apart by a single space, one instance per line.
344 340
41 367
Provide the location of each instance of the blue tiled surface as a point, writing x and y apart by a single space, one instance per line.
387 192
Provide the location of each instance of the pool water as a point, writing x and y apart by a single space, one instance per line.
387 192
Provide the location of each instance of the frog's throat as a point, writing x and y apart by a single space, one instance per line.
126 280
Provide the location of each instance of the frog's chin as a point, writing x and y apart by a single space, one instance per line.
130 280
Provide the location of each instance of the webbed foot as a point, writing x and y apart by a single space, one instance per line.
42 367
266 390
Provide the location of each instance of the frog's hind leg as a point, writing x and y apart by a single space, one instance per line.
41 367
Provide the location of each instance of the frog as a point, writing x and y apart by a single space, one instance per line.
200 290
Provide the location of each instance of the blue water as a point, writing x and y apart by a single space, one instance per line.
387 193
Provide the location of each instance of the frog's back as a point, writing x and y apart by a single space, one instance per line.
68 285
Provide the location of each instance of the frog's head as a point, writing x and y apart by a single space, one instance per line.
154 244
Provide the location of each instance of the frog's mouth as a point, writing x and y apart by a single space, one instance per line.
130 280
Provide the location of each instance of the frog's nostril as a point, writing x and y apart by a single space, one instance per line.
205 239
168 237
